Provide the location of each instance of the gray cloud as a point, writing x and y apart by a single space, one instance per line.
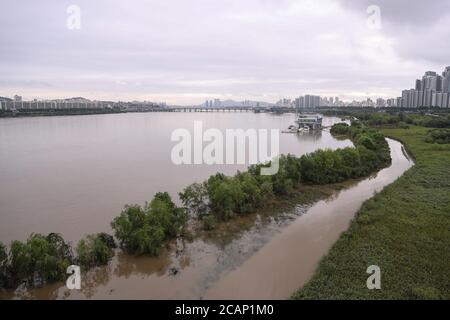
187 51
415 14
421 28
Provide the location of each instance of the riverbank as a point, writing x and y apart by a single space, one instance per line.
185 269
404 230
59 112
291 256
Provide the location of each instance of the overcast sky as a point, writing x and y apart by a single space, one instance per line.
186 51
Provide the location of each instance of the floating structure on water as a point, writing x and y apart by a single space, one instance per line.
306 123
310 121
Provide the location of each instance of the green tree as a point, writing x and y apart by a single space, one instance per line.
3 266
144 230
351 162
195 199
95 250
20 262
209 222
132 218
41 259
340 129
161 211
252 195
282 183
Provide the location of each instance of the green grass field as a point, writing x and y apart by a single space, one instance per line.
405 230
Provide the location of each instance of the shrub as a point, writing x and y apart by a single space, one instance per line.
95 250
3 266
440 136
340 129
39 260
424 293
323 167
403 125
288 176
225 196
209 222
351 162
195 199
252 195
144 230
366 141
162 212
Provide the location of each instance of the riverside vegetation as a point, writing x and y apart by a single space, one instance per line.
42 259
404 229
220 197
146 230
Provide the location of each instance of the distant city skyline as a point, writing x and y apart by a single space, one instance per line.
432 90
184 53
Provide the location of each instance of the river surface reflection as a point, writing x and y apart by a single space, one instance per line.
263 256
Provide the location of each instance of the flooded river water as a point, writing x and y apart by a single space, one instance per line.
265 256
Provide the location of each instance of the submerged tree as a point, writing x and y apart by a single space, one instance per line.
195 199
39 260
95 250
3 266
144 230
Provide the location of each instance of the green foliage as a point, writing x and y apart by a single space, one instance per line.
44 259
3 265
224 197
340 129
162 212
194 199
403 125
208 222
403 120
39 260
366 141
322 167
144 230
252 194
404 230
440 136
425 293
288 176
107 239
326 166
352 166
95 250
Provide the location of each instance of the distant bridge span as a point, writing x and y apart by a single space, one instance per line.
217 109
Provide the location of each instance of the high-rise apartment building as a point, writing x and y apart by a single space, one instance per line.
446 80
418 85
432 91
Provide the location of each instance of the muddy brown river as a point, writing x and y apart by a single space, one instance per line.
263 256
74 174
